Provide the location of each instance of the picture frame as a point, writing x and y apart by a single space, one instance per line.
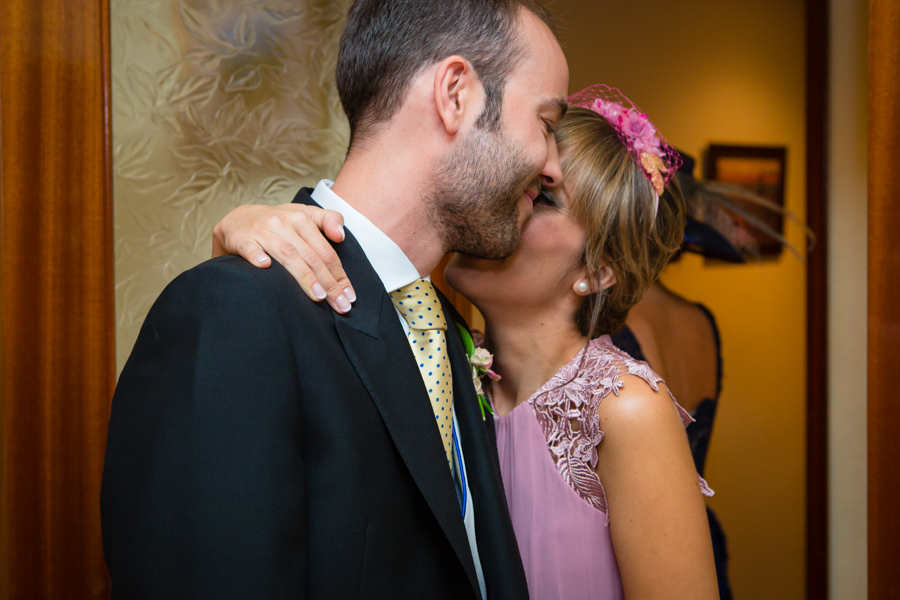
761 170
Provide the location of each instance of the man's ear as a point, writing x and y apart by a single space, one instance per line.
455 92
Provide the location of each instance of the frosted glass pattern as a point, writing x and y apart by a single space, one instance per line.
216 103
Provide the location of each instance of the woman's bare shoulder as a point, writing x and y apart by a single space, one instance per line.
639 404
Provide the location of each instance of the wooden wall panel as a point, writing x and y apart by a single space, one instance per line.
884 299
58 328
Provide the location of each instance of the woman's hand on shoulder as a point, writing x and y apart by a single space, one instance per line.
658 521
292 234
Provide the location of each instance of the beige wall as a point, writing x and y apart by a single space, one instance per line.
708 71
847 207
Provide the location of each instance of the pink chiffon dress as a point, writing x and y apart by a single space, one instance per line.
548 453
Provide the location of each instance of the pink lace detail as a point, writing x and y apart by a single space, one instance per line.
566 409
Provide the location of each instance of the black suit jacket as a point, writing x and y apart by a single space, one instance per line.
262 446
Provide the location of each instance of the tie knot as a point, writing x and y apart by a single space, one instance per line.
420 306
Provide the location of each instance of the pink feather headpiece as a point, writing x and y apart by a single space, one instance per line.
650 150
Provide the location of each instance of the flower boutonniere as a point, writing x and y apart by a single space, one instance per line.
480 360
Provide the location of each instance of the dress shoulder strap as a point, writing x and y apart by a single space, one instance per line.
718 340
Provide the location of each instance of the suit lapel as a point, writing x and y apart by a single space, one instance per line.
379 351
500 560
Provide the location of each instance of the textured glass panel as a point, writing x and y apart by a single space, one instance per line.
216 103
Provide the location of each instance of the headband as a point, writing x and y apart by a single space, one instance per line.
658 160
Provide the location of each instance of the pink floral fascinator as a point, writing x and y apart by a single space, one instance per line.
649 149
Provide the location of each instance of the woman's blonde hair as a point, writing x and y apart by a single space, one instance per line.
615 202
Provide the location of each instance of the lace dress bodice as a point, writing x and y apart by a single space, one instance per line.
556 500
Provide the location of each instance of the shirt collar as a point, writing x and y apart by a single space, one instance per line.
390 263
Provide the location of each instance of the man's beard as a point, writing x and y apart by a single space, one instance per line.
477 192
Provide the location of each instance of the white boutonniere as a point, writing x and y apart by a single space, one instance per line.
480 360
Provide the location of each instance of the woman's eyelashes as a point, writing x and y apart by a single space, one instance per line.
546 198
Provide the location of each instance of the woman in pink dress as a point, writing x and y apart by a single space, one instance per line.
601 486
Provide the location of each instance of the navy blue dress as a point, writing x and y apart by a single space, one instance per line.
699 433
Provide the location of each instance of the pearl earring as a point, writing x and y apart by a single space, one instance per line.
582 287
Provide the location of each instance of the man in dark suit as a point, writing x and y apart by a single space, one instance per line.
263 446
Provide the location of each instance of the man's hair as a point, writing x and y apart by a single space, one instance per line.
386 43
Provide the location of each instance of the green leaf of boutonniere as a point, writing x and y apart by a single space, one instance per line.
468 342
477 373
485 405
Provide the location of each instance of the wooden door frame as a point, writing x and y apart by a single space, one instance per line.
883 301
817 67
57 338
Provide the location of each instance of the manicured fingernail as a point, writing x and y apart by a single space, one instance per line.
343 235
351 295
319 291
261 258
343 304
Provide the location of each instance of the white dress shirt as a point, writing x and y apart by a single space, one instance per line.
395 270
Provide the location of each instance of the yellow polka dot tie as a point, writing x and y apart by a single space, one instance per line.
421 309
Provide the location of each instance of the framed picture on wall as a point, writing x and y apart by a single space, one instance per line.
761 170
